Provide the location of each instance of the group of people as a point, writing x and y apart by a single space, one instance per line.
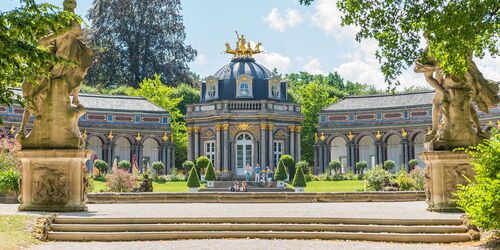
260 174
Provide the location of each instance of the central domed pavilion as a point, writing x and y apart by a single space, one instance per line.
244 116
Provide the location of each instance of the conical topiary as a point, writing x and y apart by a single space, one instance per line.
280 174
193 179
299 179
210 173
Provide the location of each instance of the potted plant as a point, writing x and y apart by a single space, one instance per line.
280 175
210 175
193 181
299 181
334 167
201 165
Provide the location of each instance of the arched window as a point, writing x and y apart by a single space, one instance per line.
244 152
211 90
275 91
244 89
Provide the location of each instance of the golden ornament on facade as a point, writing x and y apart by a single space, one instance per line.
110 135
190 130
196 129
298 129
429 130
350 136
244 126
225 126
322 137
378 135
217 127
270 126
291 128
404 133
84 134
138 137
164 138
12 129
243 48
263 126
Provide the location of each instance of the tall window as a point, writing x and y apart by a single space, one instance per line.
210 151
211 90
275 91
244 89
277 151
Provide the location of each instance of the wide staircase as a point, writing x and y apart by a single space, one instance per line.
174 228
224 186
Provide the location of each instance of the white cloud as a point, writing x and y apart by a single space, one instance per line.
490 67
272 60
327 17
277 21
313 66
202 59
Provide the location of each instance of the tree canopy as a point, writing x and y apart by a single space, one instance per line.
136 39
453 30
21 56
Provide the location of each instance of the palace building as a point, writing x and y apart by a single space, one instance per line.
114 127
376 128
244 116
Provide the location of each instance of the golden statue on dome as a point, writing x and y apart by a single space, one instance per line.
243 48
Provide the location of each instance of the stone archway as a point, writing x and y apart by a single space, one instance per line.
394 151
96 145
338 151
418 147
122 149
150 152
367 150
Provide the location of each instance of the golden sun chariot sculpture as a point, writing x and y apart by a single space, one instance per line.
243 48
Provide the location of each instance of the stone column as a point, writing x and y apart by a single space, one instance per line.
111 154
217 163
298 129
404 145
321 158
225 128
190 144
263 144
316 160
196 131
270 138
139 148
167 160
291 130
378 145
172 154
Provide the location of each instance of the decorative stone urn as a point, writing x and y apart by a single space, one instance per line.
445 172
280 184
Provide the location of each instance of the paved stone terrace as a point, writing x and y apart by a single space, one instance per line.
356 209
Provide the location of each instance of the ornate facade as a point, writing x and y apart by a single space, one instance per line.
115 127
244 116
377 128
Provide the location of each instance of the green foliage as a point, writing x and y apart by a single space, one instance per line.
280 174
413 163
202 162
188 94
22 59
361 166
101 165
187 165
304 165
375 178
158 166
418 177
120 181
299 179
481 198
289 164
9 180
335 166
389 165
193 178
8 160
404 181
210 173
454 30
124 164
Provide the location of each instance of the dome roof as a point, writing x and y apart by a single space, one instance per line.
242 66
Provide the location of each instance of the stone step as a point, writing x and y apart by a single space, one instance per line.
227 184
256 227
256 220
134 236
250 190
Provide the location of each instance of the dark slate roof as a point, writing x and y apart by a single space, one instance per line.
383 101
115 103
240 66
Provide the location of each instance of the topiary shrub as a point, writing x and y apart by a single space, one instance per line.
335 166
202 162
413 163
193 179
210 173
361 166
289 164
101 165
375 178
9 181
187 165
120 181
304 165
389 165
480 199
124 164
299 178
158 167
280 174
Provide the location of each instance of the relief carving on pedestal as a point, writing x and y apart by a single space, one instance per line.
49 185
457 176
428 185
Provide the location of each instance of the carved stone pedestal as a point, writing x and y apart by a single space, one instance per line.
445 171
53 180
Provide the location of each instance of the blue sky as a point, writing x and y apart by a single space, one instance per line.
295 38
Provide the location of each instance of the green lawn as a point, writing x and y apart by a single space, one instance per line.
178 186
15 231
334 186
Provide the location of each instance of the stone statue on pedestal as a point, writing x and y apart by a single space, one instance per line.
52 154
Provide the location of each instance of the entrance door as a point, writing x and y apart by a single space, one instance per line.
244 152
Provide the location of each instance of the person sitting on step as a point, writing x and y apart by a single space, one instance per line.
243 186
236 186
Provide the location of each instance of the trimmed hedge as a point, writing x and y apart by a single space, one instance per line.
193 179
299 180
158 166
289 164
101 165
124 164
210 173
335 166
280 174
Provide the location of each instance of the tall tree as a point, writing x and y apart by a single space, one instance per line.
21 56
136 39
